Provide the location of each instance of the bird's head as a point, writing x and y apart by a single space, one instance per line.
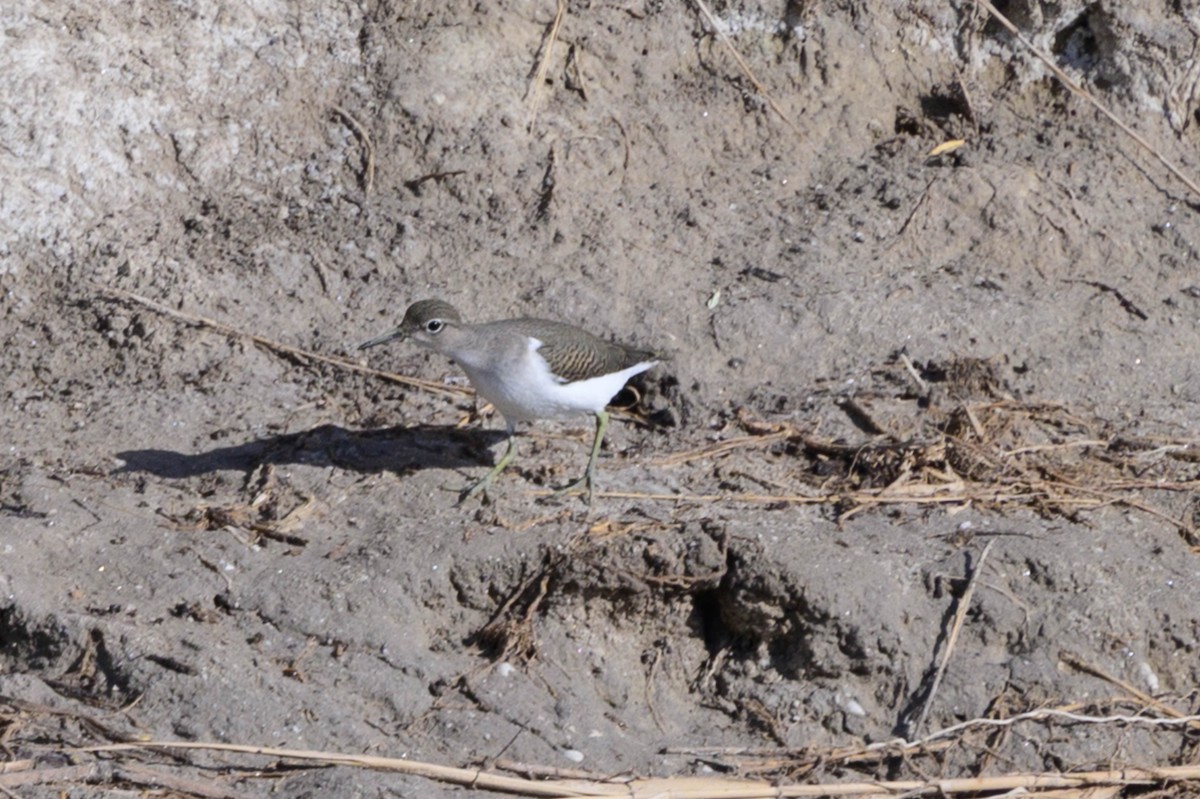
424 322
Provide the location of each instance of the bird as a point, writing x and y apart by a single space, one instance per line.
529 369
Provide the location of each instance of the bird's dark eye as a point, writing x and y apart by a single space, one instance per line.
435 325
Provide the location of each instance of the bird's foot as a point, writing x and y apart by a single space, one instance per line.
478 487
482 486
581 486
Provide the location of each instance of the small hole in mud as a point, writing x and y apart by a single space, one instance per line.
944 102
1076 44
707 621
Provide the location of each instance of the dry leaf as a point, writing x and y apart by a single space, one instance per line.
946 147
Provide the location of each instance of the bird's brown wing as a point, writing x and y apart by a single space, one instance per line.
574 354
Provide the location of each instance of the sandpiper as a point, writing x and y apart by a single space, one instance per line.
529 369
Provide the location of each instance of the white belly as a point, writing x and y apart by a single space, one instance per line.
526 389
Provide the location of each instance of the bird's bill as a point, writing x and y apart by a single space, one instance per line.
388 336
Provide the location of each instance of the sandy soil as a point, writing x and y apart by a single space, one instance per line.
884 369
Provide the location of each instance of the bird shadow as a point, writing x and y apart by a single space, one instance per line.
395 449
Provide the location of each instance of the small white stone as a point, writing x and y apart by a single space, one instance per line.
1149 678
852 707
574 755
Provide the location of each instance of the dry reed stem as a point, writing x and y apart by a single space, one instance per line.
1189 533
722 447
683 787
793 499
1076 662
1052 447
581 784
275 346
536 87
31 775
759 760
712 21
960 616
917 494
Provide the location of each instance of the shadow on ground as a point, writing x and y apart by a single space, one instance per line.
396 449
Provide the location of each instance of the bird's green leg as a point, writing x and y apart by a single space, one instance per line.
589 476
483 484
